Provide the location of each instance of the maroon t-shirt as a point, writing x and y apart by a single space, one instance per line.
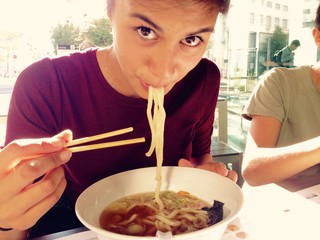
70 92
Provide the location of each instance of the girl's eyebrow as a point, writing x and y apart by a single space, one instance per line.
202 30
154 25
146 19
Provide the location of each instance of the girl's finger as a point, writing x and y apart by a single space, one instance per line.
28 171
184 163
233 175
217 167
28 148
26 208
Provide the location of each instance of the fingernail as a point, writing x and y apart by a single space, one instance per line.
65 156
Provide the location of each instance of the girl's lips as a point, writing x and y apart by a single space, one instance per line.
145 85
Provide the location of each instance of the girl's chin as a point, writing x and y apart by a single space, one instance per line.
142 93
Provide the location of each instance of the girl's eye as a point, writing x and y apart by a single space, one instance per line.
192 41
147 33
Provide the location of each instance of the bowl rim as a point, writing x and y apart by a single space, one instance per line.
189 235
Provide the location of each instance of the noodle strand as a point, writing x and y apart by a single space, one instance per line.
156 122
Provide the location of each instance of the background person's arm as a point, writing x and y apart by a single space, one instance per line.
263 163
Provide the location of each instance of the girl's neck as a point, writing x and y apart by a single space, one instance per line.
110 70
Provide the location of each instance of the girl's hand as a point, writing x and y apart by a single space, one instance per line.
31 179
217 167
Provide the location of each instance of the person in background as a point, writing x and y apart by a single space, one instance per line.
283 141
156 43
287 54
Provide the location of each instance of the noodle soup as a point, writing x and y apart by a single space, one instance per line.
140 214
208 187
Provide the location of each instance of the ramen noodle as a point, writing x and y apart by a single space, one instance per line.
156 123
139 215
146 213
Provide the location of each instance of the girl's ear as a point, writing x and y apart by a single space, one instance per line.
110 8
316 36
109 16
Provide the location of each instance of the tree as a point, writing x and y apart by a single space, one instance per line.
66 34
278 40
8 39
98 34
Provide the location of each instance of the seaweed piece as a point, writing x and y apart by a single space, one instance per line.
215 212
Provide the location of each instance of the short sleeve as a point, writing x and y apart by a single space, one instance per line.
269 97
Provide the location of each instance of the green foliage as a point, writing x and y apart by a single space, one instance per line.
278 40
65 34
98 34
8 39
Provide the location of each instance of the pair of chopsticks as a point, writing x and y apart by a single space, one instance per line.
73 148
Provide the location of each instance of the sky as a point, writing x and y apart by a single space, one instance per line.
35 18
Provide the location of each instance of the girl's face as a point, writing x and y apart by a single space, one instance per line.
156 43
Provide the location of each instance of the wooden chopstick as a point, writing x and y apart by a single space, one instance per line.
99 136
106 145
102 145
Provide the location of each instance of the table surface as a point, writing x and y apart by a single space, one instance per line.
274 211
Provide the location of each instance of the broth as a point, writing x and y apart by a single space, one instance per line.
139 214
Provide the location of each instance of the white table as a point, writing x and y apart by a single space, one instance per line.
270 212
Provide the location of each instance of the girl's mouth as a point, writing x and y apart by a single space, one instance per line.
146 86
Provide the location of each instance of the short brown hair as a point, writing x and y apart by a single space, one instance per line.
317 18
222 4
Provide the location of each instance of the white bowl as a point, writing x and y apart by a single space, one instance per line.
206 185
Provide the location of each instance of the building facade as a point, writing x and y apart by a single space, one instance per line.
242 47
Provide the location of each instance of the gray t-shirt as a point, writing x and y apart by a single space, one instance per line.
287 57
290 96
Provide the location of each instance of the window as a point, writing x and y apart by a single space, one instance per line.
306 11
261 20
251 18
285 24
240 58
268 22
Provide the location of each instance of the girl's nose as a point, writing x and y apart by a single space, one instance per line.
164 64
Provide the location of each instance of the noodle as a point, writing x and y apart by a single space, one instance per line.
156 122
181 214
145 214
